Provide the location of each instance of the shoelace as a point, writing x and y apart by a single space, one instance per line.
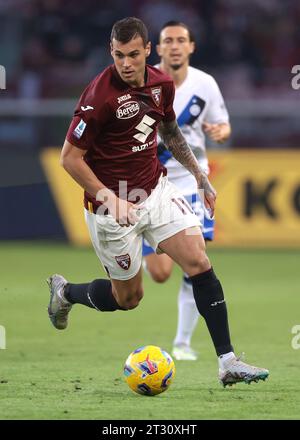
241 357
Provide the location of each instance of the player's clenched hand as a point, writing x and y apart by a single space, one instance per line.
207 193
125 213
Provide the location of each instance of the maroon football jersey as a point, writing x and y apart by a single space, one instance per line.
117 125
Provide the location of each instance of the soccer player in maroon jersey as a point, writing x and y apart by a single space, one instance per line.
111 151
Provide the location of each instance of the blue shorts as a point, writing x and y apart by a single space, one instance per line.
207 223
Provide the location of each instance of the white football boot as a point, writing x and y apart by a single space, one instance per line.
59 307
234 371
184 352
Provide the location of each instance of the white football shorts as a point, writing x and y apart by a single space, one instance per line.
165 213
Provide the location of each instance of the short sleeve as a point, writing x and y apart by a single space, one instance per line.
169 93
90 116
216 110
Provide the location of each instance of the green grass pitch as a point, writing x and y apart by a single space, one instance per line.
77 373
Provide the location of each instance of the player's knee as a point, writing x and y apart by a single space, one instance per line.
198 263
131 299
160 275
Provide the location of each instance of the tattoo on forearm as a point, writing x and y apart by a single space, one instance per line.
173 139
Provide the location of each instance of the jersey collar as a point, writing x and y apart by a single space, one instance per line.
123 84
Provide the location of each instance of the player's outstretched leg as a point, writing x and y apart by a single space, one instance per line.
59 307
97 294
211 304
188 316
188 250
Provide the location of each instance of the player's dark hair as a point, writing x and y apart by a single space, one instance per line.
178 23
128 28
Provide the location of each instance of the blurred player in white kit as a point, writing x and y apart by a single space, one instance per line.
200 112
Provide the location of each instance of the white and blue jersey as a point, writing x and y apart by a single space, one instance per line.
198 99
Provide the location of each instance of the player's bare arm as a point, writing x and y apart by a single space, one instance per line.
217 132
176 143
73 163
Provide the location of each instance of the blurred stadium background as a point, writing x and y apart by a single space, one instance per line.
50 49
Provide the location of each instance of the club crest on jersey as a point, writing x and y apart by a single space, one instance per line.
128 110
123 261
156 95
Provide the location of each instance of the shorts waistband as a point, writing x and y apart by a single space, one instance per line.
92 207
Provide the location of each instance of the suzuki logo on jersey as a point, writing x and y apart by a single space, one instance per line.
123 98
144 127
79 129
156 95
142 147
128 110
